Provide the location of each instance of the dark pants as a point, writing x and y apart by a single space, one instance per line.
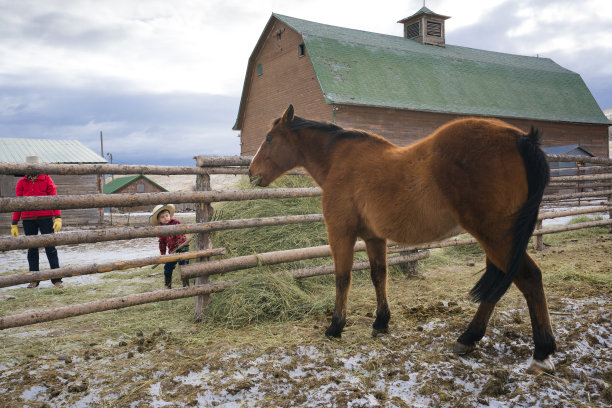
169 268
45 226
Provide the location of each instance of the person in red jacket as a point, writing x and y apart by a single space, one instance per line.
46 221
162 215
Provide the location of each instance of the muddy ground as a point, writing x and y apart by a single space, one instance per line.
293 365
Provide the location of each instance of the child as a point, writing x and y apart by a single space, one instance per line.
162 215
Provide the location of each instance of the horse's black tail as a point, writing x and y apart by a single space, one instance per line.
494 283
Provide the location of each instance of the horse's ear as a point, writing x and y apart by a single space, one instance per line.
288 115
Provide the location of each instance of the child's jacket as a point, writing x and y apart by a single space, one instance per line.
171 241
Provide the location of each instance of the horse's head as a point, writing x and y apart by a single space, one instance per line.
277 153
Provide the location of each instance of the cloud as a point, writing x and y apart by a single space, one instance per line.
563 31
137 127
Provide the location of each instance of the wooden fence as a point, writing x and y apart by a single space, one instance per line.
593 189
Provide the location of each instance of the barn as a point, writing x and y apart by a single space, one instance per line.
133 185
15 150
403 88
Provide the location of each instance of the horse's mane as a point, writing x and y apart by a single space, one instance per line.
336 132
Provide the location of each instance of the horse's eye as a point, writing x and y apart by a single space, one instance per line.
268 138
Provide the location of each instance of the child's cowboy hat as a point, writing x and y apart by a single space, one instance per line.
158 209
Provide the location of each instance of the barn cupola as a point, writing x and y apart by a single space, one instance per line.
425 26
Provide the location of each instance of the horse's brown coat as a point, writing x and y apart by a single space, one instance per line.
468 175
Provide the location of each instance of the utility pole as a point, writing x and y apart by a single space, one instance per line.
101 145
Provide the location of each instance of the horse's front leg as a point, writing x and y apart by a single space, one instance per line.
377 254
342 246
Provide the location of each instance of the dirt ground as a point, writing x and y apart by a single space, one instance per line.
294 365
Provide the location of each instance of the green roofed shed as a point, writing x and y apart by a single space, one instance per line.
119 183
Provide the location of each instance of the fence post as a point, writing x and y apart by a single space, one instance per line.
610 213
203 214
538 240
410 269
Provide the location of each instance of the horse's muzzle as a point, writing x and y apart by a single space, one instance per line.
254 179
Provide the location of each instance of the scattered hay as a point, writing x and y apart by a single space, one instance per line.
267 297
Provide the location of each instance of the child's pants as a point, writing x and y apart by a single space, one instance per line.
169 268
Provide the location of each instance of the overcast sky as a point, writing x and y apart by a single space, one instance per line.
162 79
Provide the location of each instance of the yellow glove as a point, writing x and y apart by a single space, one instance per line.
57 224
14 231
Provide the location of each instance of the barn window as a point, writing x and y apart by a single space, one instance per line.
434 29
301 50
259 69
140 188
412 30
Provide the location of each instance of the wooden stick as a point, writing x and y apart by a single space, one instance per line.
217 161
558 197
329 269
290 255
82 169
243 170
63 202
561 228
587 210
39 316
585 177
18 279
183 245
114 234
578 159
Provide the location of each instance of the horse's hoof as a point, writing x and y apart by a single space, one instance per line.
461 349
379 332
541 366
333 334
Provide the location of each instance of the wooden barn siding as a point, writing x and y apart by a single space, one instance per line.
271 93
83 184
404 127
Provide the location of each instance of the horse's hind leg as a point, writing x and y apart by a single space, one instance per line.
478 326
342 250
529 282
377 254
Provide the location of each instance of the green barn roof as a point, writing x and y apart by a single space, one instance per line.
119 182
363 68
15 150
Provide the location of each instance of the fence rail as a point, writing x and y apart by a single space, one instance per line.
203 196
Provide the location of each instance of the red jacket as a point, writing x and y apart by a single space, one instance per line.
41 186
171 241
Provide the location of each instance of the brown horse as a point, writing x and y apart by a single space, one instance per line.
482 176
